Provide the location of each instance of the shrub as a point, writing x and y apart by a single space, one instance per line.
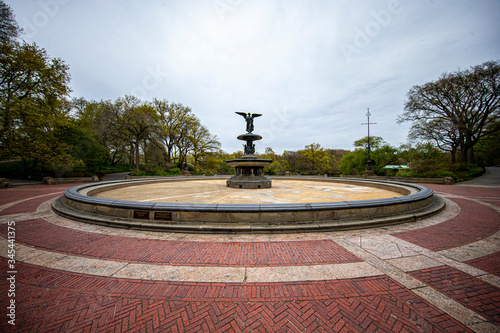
405 173
174 171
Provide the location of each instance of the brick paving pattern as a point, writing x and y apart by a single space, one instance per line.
9 195
55 300
29 205
467 191
467 227
490 263
52 300
45 235
477 295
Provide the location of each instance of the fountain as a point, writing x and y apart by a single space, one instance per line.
221 205
249 170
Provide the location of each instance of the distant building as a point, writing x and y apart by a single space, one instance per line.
399 167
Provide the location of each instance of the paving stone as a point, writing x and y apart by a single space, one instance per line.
440 274
69 301
310 273
413 263
489 263
42 234
467 290
466 228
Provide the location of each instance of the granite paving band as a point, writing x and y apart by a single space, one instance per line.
467 290
440 274
489 263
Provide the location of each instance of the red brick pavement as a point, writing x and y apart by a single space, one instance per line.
467 191
29 205
51 300
8 195
474 222
475 294
489 195
42 234
57 301
490 263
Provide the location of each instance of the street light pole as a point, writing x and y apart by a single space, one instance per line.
368 161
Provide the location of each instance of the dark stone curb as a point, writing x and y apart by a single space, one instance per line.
232 228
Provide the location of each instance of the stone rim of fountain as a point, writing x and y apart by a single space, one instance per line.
248 218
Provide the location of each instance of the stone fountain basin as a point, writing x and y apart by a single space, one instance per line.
249 136
249 162
414 202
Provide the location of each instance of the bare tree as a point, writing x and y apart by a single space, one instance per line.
468 99
202 143
443 132
9 28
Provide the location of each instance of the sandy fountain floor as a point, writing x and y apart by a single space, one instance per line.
216 191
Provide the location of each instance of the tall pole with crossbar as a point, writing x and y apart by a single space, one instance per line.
368 161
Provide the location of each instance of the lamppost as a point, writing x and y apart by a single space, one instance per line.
369 170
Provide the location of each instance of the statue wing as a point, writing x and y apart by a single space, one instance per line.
256 115
241 114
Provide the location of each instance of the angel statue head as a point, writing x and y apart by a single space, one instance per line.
249 119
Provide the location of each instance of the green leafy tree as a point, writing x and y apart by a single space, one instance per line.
375 142
213 162
424 160
335 155
202 144
354 162
382 154
292 161
139 120
105 120
316 159
33 88
82 145
488 149
174 124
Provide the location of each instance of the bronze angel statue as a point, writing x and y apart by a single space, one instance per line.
249 119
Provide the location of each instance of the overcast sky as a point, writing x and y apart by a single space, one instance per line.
312 68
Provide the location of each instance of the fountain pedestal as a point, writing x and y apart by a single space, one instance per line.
249 168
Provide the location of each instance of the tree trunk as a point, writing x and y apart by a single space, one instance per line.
137 155
463 158
131 154
145 159
470 154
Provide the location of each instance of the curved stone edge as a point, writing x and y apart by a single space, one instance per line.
423 193
249 162
59 206
249 218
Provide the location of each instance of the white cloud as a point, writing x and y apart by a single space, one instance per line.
285 59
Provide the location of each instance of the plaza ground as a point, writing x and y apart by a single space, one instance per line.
441 274
209 191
